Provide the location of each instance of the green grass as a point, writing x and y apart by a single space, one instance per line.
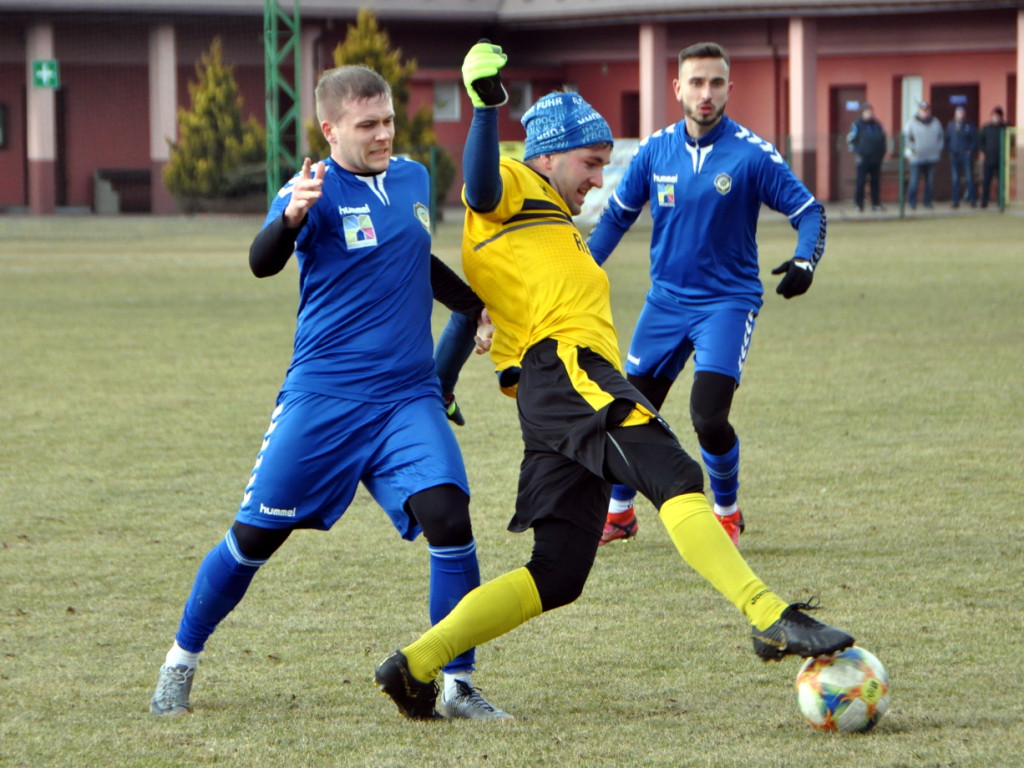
881 423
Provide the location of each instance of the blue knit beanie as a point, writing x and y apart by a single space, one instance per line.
560 122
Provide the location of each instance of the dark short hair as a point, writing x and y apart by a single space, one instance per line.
703 51
998 111
353 82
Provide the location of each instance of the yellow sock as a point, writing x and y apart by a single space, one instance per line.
489 611
706 547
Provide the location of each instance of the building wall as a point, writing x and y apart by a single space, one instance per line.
12 156
106 100
12 96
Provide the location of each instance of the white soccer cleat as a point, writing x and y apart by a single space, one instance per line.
172 690
467 703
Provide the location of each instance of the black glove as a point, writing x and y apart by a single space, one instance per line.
481 74
797 277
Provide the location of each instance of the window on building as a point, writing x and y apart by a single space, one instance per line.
447 102
520 97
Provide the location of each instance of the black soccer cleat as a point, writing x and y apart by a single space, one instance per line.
453 412
414 699
797 634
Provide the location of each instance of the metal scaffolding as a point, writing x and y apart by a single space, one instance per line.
280 47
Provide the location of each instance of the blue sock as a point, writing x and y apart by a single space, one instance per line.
724 474
623 493
454 571
222 580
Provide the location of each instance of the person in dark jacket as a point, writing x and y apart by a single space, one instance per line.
961 141
867 140
989 142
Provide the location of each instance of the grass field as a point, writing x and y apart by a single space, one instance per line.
881 420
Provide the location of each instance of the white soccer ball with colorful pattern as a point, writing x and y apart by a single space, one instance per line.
846 692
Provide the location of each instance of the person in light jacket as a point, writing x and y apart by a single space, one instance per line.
924 140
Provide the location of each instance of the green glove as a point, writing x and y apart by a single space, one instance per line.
481 74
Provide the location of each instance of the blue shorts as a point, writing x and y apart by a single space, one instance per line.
667 333
318 448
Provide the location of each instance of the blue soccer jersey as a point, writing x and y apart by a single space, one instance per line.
363 327
705 196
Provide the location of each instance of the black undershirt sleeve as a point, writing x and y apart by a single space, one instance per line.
272 247
452 291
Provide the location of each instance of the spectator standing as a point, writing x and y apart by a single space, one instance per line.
867 140
924 139
961 141
990 141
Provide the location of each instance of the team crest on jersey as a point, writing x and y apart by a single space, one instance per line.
423 214
666 195
723 183
359 231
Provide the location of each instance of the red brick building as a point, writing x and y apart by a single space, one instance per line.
801 71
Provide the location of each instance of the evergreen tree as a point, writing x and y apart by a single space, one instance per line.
214 143
367 44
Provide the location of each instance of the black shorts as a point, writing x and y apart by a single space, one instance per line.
571 401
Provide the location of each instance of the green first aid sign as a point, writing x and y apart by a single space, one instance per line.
46 73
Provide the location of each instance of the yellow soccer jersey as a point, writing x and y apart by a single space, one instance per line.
533 270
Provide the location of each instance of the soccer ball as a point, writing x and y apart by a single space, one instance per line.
847 692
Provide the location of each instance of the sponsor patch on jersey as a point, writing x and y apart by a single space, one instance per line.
666 195
359 231
423 214
723 183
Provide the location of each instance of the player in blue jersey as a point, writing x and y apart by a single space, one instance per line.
705 178
361 400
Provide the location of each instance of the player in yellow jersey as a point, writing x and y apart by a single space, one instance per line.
584 426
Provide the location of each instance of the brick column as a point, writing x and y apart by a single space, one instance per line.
163 112
653 82
803 79
41 136
1020 105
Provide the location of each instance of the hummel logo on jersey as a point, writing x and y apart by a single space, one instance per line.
265 510
723 183
361 209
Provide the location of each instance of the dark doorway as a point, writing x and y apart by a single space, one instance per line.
24 152
845 104
631 115
945 99
1011 99
60 170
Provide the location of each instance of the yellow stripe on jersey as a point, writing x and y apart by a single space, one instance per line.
533 270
